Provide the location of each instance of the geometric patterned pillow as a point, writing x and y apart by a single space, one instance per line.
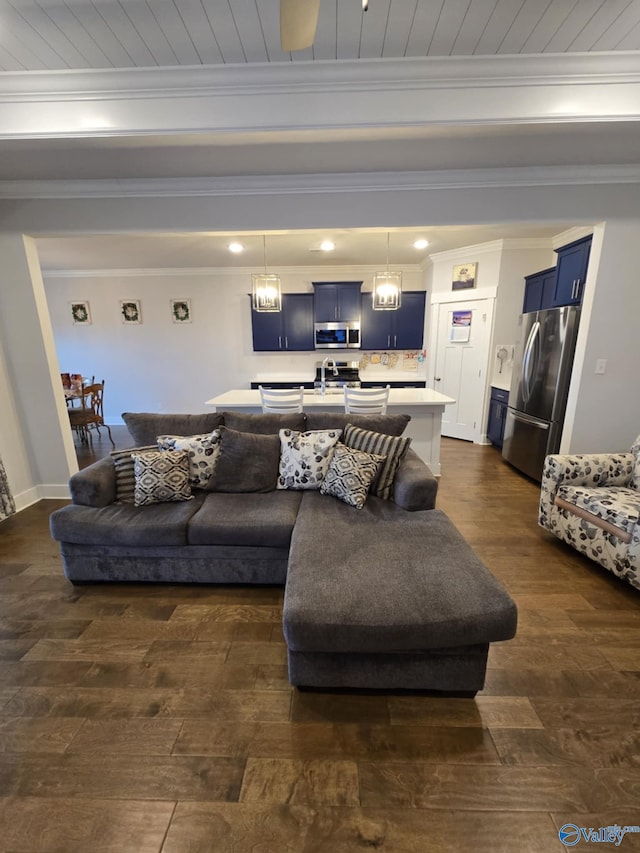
125 476
305 457
393 447
350 475
202 450
161 475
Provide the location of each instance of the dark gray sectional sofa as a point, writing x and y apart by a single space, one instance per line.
388 596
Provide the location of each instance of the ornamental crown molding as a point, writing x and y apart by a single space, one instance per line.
315 273
321 75
322 183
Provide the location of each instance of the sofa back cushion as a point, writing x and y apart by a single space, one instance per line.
145 427
387 424
264 424
248 462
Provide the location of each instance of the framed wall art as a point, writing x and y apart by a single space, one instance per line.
80 313
131 312
464 276
181 310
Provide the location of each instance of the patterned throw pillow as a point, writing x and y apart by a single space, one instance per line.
125 475
393 447
305 457
350 475
203 452
161 475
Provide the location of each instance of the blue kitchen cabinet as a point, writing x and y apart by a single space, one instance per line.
573 261
400 329
498 406
288 330
539 290
337 300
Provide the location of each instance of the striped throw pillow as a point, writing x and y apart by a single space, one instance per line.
391 446
125 474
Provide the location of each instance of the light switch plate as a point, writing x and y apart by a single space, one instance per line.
601 365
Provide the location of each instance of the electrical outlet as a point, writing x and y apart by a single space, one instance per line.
601 365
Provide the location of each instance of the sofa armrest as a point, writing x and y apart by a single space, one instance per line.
94 485
587 469
414 487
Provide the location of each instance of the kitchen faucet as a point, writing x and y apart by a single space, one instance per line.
323 378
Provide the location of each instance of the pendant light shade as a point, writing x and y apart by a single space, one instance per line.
387 288
265 291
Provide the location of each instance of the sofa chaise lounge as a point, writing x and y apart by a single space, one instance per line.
387 596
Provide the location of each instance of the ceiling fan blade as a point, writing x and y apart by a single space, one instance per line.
298 22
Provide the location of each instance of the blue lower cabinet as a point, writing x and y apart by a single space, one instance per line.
497 415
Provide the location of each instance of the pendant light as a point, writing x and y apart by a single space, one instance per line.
387 288
265 291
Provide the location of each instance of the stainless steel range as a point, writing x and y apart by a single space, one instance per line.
332 375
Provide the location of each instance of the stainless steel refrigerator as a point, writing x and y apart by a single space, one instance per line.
539 387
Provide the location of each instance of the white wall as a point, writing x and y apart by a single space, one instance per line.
161 366
35 442
603 411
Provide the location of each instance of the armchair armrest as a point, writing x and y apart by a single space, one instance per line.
414 486
94 485
587 469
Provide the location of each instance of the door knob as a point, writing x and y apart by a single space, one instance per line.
437 378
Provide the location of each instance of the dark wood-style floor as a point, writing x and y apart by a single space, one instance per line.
141 719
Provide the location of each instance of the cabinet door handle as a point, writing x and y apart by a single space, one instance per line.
389 341
279 341
286 343
395 340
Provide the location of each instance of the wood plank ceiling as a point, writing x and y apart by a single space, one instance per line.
41 35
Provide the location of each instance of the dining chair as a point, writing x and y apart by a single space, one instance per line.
89 415
282 401
366 401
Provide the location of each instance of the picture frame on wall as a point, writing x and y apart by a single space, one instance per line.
131 311
181 310
464 276
80 313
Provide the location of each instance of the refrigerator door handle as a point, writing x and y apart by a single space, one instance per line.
528 367
527 419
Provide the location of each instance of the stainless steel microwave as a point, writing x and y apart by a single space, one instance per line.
337 335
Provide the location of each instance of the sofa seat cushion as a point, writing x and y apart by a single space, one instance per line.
159 524
256 519
381 579
616 507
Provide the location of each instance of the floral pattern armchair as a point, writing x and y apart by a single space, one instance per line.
592 502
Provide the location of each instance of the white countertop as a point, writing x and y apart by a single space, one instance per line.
399 398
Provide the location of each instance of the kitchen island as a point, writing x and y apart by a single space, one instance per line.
424 405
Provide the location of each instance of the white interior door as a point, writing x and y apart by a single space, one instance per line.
460 368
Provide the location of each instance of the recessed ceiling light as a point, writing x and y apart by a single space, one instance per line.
421 244
236 248
327 246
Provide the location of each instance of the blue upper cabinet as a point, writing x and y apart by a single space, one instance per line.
288 330
401 329
539 290
337 300
573 261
